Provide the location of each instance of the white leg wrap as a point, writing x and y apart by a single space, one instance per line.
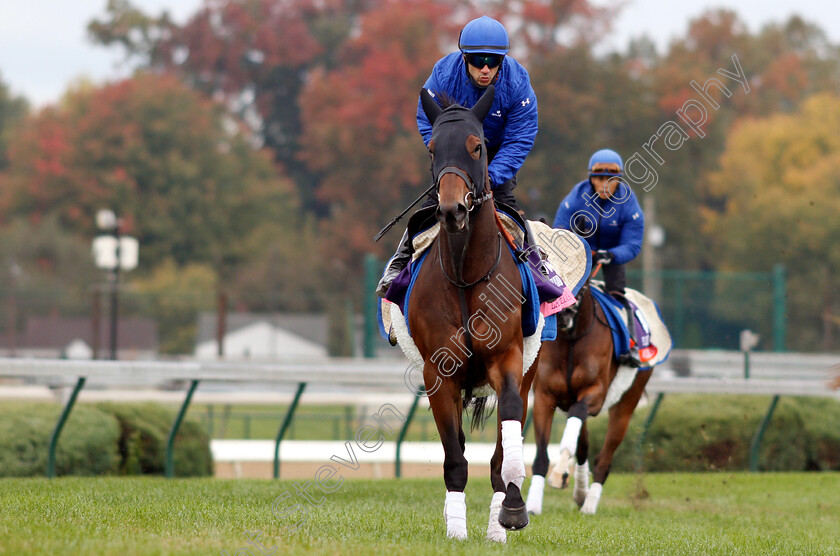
581 483
495 531
455 512
570 435
513 465
535 495
590 506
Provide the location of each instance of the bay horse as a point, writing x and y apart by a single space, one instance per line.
465 315
574 374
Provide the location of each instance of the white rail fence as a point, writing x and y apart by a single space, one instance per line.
773 374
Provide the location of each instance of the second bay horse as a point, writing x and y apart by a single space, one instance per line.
575 373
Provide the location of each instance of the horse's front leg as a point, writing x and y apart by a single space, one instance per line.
447 406
544 404
512 513
620 415
582 468
503 466
559 477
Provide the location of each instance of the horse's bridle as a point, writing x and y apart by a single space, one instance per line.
472 189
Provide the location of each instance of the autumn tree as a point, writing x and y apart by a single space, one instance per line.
777 199
170 162
360 130
255 55
783 64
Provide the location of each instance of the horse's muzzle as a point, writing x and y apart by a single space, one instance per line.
452 216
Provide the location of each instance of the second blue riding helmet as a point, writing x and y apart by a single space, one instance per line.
605 156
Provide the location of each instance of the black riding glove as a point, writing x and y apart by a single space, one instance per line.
602 257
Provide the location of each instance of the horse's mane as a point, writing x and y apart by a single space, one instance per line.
444 100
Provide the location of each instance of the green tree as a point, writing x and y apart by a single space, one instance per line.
174 296
44 270
586 104
12 110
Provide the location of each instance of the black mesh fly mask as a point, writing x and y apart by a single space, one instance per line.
451 128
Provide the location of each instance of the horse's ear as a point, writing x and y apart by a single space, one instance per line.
430 105
482 107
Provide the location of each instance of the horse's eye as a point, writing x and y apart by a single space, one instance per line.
477 149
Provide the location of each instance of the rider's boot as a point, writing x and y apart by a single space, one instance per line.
533 242
395 265
631 358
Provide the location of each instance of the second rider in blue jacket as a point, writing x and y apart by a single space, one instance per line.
604 210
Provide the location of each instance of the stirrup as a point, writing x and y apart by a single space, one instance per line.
631 358
395 265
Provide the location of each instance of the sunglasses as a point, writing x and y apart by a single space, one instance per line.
481 60
604 172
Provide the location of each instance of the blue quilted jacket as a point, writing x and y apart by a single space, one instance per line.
511 125
615 226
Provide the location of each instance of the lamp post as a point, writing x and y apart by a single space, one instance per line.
14 275
114 252
651 263
107 221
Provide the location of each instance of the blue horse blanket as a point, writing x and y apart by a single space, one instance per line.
400 293
612 309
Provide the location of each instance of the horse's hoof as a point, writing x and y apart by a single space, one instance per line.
554 478
513 519
513 515
564 481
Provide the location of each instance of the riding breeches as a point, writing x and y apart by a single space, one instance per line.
614 278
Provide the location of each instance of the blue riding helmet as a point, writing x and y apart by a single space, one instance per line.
606 156
484 35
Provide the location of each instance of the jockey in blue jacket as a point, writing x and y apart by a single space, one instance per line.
604 210
510 126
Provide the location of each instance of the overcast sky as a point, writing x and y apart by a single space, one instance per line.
44 47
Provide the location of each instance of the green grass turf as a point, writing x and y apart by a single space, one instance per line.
709 513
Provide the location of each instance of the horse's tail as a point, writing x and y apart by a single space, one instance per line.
479 410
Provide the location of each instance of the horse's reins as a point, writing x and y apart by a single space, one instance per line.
458 281
393 222
595 312
573 340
